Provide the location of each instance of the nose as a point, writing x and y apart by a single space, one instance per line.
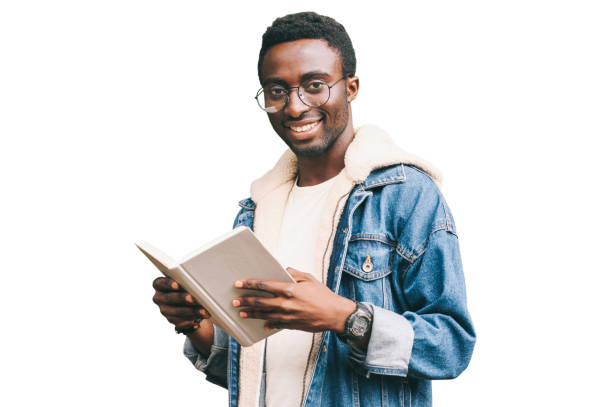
295 107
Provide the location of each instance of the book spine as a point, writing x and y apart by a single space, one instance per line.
220 317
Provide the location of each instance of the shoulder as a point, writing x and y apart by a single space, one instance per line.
406 183
412 198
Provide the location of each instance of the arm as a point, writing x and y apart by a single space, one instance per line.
202 339
214 362
206 347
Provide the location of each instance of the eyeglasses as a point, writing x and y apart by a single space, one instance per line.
273 98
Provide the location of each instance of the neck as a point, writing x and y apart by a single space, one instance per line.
314 170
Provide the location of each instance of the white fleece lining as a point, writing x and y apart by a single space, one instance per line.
371 148
267 223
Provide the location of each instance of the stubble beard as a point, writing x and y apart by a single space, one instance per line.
330 136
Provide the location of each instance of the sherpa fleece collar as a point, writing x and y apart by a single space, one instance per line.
371 148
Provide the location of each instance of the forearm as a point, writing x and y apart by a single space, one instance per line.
213 362
203 337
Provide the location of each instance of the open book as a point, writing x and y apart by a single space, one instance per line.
209 273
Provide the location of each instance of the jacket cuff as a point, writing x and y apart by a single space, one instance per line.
213 365
390 345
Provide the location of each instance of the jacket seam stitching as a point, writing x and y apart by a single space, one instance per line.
423 247
361 275
389 180
372 237
413 255
447 219
385 181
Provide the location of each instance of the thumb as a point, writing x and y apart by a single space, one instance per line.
297 275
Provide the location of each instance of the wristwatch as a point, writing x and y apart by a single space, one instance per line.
357 325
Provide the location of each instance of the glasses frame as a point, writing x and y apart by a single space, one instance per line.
288 90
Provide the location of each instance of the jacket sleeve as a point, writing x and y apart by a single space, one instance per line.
215 364
434 339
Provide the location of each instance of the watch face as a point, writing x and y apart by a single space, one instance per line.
360 326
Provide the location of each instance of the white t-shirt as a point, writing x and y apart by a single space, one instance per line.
287 351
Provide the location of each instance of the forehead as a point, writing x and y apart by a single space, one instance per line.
291 60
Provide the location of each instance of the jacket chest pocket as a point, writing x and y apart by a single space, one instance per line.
368 261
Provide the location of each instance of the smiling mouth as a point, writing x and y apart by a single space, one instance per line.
304 128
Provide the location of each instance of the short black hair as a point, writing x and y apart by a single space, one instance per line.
310 25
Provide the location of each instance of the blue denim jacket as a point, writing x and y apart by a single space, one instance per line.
421 326
399 218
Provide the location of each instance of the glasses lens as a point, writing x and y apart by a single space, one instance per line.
272 99
315 93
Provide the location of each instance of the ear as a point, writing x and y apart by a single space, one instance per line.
352 88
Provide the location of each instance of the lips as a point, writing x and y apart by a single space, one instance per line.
302 126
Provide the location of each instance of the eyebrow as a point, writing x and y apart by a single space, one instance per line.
304 77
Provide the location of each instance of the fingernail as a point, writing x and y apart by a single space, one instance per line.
174 285
267 328
189 298
238 284
203 313
235 303
243 314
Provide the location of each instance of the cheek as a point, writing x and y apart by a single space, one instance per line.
338 108
340 114
275 122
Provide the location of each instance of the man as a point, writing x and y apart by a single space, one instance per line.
378 308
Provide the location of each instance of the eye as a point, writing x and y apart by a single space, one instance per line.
275 92
315 86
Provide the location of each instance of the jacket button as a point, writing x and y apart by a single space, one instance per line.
367 265
324 348
344 230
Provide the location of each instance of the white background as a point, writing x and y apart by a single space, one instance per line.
129 120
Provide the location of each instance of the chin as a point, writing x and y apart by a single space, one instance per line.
311 151
316 148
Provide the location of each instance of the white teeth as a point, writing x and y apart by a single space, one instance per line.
303 128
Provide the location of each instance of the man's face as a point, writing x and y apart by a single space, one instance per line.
308 131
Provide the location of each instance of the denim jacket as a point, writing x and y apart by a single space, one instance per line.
393 212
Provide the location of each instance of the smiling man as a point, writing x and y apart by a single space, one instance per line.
378 309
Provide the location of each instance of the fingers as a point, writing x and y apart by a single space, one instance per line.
262 303
263 314
179 306
183 312
277 288
180 298
165 284
275 320
276 308
180 323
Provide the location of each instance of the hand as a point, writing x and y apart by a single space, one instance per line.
176 305
307 305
